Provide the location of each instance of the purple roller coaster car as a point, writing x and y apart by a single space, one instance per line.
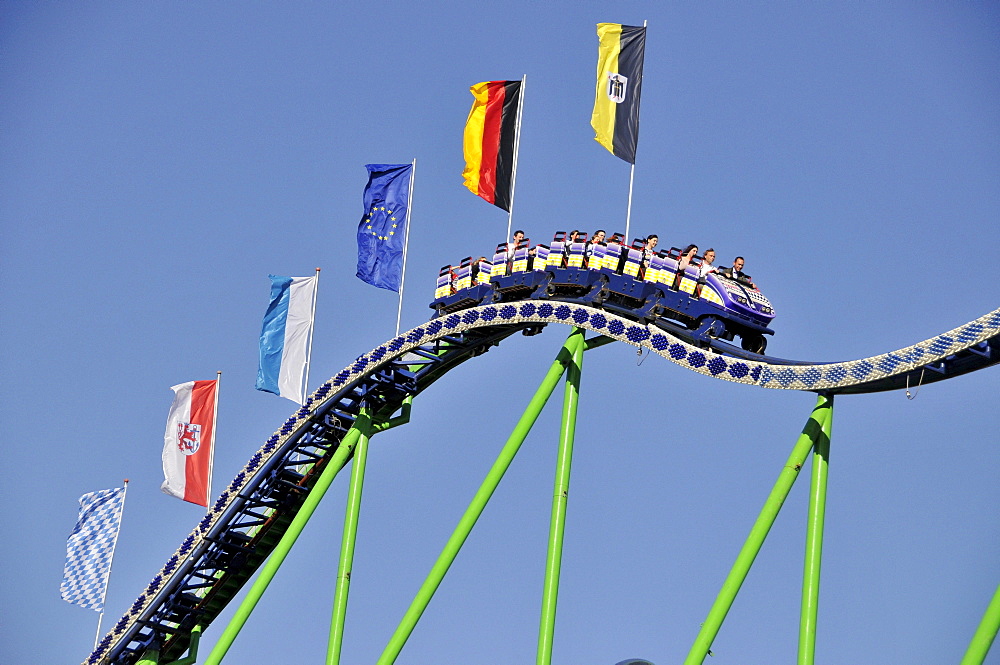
613 276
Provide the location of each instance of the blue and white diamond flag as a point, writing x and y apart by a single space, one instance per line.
90 547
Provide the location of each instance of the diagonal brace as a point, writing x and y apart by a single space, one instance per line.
818 420
479 501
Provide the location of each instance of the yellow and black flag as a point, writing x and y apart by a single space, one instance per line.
619 82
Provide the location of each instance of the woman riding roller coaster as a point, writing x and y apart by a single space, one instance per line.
683 262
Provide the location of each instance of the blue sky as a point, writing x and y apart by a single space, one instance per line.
160 159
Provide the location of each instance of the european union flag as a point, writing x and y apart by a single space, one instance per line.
383 226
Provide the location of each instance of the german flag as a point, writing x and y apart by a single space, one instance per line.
619 80
490 138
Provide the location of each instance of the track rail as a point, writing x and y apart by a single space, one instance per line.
244 524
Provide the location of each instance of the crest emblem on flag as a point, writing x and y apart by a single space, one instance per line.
188 437
617 85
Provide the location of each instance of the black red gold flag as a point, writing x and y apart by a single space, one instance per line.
619 82
490 139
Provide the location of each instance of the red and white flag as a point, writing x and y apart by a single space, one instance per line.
187 443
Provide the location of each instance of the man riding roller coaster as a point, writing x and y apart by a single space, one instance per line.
736 272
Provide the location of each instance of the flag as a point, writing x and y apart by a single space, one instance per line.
90 547
187 443
383 226
490 137
619 83
284 337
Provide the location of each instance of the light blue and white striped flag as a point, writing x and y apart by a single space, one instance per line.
284 337
90 547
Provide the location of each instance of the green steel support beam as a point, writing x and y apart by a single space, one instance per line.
347 543
192 656
401 419
599 341
478 504
149 657
724 601
277 557
560 498
809 611
985 634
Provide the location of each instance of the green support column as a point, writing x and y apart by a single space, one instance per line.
478 504
560 497
336 463
347 546
814 544
192 656
149 657
810 433
985 634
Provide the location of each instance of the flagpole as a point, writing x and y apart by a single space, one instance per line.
111 561
312 326
517 145
215 428
406 241
631 177
628 212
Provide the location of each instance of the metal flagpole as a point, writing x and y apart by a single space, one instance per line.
631 177
517 146
628 211
111 562
215 429
406 242
312 326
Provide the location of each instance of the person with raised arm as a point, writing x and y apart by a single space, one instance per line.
683 262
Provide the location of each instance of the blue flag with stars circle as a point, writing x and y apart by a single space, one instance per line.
383 226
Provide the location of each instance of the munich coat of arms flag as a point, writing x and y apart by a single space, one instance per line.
619 83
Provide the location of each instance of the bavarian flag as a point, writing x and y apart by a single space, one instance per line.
490 138
619 81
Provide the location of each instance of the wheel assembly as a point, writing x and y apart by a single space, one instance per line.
753 342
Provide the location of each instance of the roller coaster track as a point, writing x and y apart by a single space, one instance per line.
243 526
